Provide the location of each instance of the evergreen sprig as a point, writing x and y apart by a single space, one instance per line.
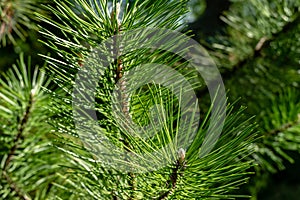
28 161
259 53
16 17
84 25
143 129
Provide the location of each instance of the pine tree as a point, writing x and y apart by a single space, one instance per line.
117 117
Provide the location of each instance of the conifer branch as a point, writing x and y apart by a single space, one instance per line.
6 23
132 184
179 165
21 128
14 187
124 95
283 127
100 20
19 136
15 17
263 43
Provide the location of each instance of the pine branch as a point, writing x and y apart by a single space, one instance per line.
8 25
16 18
132 185
173 181
21 127
124 96
19 136
14 187
281 134
262 44
27 169
95 24
180 165
283 128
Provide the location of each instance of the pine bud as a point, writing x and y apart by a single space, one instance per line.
181 155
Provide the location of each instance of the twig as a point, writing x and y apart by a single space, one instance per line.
124 96
179 165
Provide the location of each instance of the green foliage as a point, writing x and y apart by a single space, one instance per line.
212 176
258 24
282 132
28 162
43 153
259 56
16 17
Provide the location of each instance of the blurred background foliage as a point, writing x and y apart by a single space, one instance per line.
19 31
256 45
